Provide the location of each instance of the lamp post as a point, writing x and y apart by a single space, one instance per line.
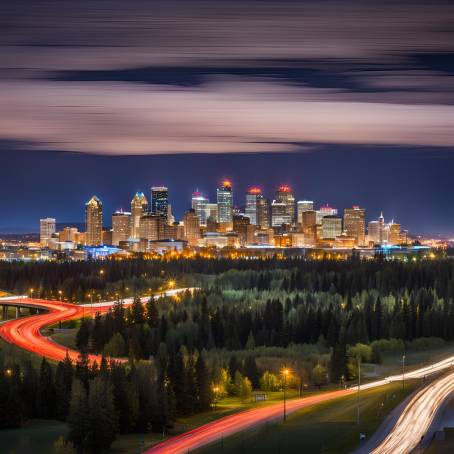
359 388
215 390
403 372
31 292
285 373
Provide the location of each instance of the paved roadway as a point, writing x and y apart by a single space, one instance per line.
26 332
417 417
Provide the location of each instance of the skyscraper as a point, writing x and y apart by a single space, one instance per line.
279 214
355 223
225 202
160 200
93 222
394 234
331 227
121 227
257 208
309 222
376 231
302 206
139 205
152 227
46 230
284 195
199 204
263 213
191 227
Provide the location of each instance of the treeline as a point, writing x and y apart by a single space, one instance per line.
76 279
235 320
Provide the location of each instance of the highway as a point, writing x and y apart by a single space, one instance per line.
26 332
417 417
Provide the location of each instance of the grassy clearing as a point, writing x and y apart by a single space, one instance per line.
329 427
36 437
66 337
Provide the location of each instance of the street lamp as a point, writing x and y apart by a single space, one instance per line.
285 374
60 293
171 283
215 390
31 292
8 372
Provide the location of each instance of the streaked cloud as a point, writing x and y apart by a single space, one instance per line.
189 76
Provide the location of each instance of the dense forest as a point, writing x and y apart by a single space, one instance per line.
246 320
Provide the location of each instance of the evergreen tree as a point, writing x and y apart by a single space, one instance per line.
203 384
46 397
78 419
251 371
102 417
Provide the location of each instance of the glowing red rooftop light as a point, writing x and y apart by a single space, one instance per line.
255 190
227 184
285 188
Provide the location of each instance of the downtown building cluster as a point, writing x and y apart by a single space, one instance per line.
283 222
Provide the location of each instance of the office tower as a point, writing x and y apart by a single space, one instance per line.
263 213
121 227
378 231
139 206
225 202
252 203
160 200
47 227
93 222
69 234
257 208
309 222
199 204
242 226
279 214
302 206
394 233
152 227
212 212
284 196
331 227
191 227
355 224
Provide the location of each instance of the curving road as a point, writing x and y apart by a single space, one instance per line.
26 332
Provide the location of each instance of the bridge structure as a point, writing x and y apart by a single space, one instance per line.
20 305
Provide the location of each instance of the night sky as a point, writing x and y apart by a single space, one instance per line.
348 102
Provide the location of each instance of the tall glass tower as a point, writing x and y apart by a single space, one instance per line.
160 200
93 222
257 208
139 205
199 205
225 202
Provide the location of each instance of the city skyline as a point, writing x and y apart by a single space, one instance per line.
322 176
